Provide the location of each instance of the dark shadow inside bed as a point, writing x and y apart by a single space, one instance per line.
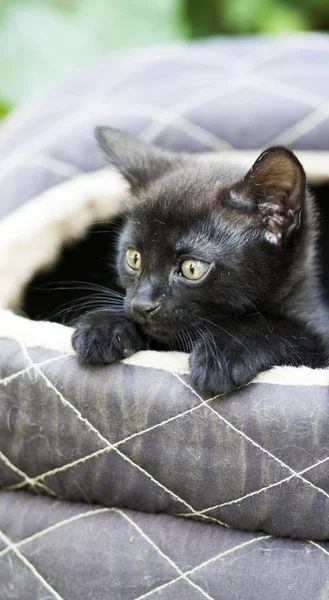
56 294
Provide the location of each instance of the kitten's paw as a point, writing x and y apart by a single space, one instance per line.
209 371
102 337
220 372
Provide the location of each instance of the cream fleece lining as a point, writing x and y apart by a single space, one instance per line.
32 236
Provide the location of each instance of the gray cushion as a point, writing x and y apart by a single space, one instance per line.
226 92
74 551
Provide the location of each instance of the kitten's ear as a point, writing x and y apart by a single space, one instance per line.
139 162
274 191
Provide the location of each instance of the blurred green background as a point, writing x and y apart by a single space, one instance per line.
42 40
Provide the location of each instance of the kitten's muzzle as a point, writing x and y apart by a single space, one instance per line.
142 309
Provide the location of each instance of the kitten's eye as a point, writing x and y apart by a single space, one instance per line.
134 259
194 269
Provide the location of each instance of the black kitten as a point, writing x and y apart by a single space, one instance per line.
215 262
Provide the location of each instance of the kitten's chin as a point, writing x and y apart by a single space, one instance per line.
160 333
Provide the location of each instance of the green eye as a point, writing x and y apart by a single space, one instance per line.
194 269
134 259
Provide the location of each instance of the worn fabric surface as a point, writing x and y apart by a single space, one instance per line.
145 439
51 549
133 439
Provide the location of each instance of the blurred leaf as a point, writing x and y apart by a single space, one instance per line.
202 17
253 16
285 18
4 109
239 15
317 12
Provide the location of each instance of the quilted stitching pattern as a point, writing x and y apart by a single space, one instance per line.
138 437
202 96
165 557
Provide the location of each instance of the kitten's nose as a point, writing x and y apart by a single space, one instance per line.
142 307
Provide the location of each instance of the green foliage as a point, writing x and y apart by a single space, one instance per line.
4 109
260 16
42 40
255 16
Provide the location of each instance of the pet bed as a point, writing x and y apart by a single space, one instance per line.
123 482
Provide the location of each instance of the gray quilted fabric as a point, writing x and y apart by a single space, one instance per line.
59 550
137 439
144 439
227 92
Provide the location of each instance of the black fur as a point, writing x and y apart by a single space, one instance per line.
258 306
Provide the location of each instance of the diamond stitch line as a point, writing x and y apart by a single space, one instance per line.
72 122
74 119
53 527
256 492
179 122
29 565
302 127
287 91
126 458
194 512
264 83
11 547
318 547
134 64
162 554
109 447
251 494
194 130
53 165
204 564
183 575
27 479
251 441
193 100
32 365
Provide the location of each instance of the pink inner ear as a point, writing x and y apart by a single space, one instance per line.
277 218
273 191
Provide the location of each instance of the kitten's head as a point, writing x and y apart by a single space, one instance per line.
202 241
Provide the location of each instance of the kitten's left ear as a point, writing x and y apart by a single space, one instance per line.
139 162
274 191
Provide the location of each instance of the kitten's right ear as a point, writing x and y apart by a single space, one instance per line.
273 193
139 162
